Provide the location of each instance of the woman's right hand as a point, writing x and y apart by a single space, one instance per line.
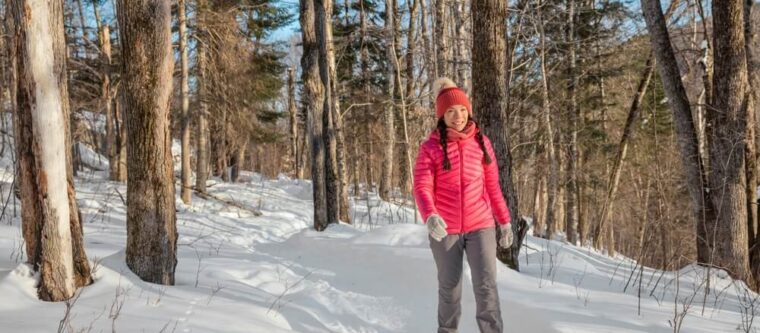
436 227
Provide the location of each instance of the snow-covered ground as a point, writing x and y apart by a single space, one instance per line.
249 262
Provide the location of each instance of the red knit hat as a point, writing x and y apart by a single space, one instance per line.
449 95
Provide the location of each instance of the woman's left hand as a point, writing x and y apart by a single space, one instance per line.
507 237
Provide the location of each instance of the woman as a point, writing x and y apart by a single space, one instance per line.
456 187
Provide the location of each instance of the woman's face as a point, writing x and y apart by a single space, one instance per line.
456 117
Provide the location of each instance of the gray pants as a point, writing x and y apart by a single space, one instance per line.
480 246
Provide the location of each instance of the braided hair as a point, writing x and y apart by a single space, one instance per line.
442 130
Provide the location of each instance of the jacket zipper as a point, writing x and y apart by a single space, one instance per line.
461 188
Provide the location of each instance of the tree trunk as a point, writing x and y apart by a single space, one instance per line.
614 177
441 46
688 142
460 58
402 152
430 67
386 185
50 216
121 131
293 122
202 158
728 135
411 40
323 27
367 93
752 44
314 101
185 174
147 81
237 161
106 102
571 219
552 185
336 141
489 97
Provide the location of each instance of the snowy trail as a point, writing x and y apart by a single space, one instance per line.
239 272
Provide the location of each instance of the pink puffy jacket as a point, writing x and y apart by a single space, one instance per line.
468 196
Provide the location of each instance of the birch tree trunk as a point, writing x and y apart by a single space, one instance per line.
571 218
147 81
50 222
430 66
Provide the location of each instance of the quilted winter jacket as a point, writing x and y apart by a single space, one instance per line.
467 196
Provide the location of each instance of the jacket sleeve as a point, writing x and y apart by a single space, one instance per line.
424 183
491 171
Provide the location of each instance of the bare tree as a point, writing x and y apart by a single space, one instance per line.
441 44
572 210
728 117
185 96
331 115
202 158
489 97
688 143
314 102
386 178
147 81
293 122
751 20
552 186
50 216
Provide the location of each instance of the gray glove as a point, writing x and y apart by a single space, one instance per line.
506 235
436 227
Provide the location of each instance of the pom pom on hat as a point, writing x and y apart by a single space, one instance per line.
443 83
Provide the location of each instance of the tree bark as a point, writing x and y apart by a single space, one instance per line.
293 122
552 186
50 216
202 158
728 139
147 81
688 142
314 101
121 132
489 97
571 218
323 26
430 65
367 93
106 102
238 158
185 172
441 46
751 19
386 185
